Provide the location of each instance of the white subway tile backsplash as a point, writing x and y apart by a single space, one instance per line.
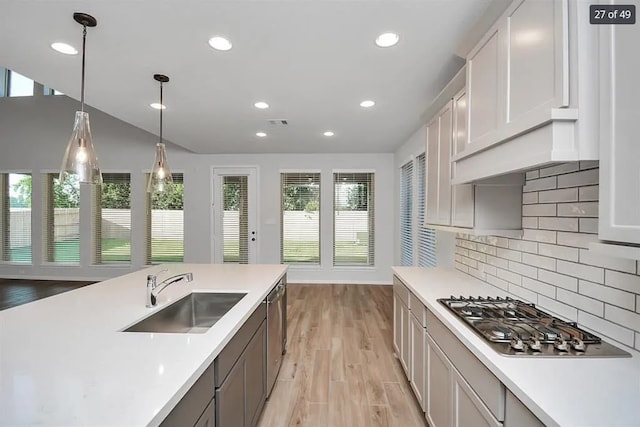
510 276
539 287
499 283
532 174
611 263
529 198
478 256
523 246
555 251
578 240
581 209
589 164
566 282
607 294
498 262
576 179
540 184
529 222
551 264
539 261
559 224
562 195
523 293
546 236
560 169
588 225
581 302
586 194
461 267
604 327
626 282
539 210
509 254
586 272
626 318
559 308
523 269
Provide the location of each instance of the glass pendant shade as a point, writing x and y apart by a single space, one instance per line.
160 177
80 158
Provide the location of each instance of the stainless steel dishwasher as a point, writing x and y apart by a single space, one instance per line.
276 331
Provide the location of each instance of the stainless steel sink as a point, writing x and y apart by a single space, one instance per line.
194 313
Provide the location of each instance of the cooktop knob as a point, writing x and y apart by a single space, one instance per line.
561 345
577 344
517 344
534 344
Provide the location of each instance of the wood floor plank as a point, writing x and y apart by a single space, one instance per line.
340 370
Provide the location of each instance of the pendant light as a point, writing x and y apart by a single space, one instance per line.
160 176
80 159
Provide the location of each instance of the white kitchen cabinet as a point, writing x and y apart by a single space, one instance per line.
401 324
417 357
530 87
620 126
439 387
439 135
468 409
462 202
491 207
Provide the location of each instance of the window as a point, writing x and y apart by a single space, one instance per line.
112 219
426 236
61 220
300 218
15 217
20 85
235 219
165 230
406 214
353 219
50 91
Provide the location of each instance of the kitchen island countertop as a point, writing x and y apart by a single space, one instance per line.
65 361
567 392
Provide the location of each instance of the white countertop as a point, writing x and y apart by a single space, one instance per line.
560 392
63 361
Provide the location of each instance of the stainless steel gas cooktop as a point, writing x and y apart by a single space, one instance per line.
516 328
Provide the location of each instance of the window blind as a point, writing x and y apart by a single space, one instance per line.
426 236
112 219
235 220
300 218
406 214
61 220
353 219
165 219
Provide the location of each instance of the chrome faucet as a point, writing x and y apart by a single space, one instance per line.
153 288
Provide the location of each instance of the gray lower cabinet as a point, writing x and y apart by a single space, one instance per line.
196 406
517 415
208 417
241 396
438 386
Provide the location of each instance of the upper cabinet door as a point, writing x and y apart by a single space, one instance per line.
461 195
619 130
483 75
433 136
444 169
537 57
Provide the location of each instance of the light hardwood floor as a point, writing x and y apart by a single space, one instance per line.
340 369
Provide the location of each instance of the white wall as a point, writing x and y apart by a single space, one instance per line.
445 241
35 131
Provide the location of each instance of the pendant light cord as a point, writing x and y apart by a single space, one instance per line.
84 42
161 108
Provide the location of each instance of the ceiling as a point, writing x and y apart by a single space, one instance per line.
313 61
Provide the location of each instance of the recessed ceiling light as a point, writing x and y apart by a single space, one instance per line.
67 49
387 39
220 43
261 105
328 133
158 106
261 134
367 104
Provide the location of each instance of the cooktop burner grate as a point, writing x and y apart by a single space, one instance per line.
514 327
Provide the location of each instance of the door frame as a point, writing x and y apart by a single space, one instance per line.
252 174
